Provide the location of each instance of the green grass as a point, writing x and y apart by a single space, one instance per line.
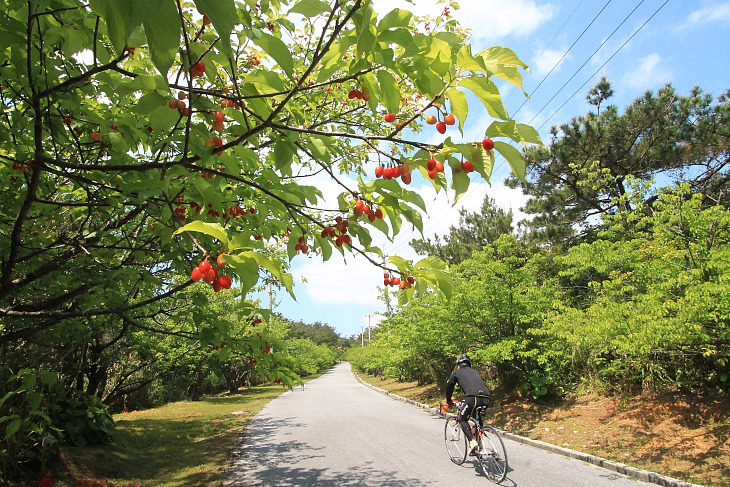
181 444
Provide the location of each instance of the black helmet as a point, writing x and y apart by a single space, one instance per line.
464 360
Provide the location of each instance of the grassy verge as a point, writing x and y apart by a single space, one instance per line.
181 444
685 437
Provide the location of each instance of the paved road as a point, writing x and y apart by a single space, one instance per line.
336 432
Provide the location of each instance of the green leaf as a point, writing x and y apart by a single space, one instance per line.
247 270
12 428
284 154
285 278
514 158
163 118
459 105
467 62
113 15
265 82
310 8
503 129
163 35
528 135
488 93
496 55
223 16
395 18
279 51
215 230
389 90
441 55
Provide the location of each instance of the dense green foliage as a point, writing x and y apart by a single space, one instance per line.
641 305
143 141
474 231
663 138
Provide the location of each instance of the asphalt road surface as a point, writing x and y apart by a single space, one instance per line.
337 432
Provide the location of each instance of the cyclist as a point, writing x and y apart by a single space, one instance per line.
477 394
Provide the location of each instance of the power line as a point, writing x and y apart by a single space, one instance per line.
539 56
603 65
586 61
564 54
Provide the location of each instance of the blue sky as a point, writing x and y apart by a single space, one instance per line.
568 44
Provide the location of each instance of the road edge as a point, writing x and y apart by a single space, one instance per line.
633 472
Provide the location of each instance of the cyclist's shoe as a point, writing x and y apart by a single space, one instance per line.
473 448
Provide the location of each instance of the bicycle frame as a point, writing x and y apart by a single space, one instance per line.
491 453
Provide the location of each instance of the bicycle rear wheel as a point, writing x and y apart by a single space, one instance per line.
493 456
456 442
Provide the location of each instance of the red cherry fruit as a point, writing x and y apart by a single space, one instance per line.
225 282
449 119
488 144
467 166
432 174
389 117
113 126
388 173
217 286
219 261
379 214
379 171
199 69
211 275
95 136
365 93
396 172
411 280
206 20
430 119
219 117
204 266
354 94
196 275
406 178
431 164
371 217
366 209
441 127
181 95
67 121
173 104
439 166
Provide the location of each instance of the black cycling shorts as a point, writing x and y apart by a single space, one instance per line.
471 403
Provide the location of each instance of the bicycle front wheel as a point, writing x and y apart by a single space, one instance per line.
456 442
493 456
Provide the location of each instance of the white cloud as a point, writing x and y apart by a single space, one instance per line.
719 12
489 20
649 72
548 60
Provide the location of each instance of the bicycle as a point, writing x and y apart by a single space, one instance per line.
491 453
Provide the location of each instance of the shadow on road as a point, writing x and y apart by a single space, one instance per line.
258 461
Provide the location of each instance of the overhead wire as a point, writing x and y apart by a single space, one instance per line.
547 46
587 61
604 64
564 54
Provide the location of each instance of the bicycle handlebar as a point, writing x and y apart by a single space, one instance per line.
445 405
